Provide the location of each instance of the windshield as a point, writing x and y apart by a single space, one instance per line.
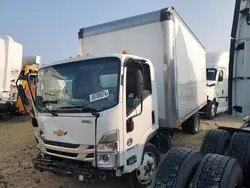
68 87
211 74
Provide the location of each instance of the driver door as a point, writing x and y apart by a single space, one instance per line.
221 91
139 112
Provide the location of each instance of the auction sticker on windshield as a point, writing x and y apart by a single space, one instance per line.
99 95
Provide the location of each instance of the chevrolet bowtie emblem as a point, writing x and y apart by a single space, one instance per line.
60 132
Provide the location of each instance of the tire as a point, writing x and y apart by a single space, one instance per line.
239 148
177 168
134 178
211 110
217 171
165 142
191 125
215 141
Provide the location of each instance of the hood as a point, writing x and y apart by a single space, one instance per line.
68 129
211 83
79 128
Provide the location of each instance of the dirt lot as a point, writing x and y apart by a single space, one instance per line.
17 148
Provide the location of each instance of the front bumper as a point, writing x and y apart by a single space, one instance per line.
67 151
71 167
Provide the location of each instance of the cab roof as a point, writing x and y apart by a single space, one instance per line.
74 59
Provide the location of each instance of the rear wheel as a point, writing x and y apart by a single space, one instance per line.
177 168
142 177
215 141
217 171
191 125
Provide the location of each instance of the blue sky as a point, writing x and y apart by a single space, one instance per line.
49 27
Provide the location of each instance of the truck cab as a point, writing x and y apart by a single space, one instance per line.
100 111
239 104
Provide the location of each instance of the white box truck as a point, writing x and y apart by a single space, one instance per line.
115 111
10 64
217 83
224 156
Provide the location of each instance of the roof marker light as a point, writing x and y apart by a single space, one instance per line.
124 52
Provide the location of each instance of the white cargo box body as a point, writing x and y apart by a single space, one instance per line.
178 57
10 63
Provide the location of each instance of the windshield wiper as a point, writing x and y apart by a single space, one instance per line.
93 111
53 112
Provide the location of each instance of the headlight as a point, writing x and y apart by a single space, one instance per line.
111 136
107 147
106 160
103 159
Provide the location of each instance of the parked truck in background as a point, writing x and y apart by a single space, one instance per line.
10 64
217 83
239 75
112 112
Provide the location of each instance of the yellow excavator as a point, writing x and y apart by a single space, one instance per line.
30 64
25 70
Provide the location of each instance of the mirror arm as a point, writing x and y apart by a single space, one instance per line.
140 98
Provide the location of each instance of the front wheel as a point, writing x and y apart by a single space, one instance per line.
142 177
211 109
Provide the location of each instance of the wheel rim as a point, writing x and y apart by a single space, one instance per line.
213 110
145 172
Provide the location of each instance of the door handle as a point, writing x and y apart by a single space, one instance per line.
222 92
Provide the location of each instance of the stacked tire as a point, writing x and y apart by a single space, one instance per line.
222 162
235 145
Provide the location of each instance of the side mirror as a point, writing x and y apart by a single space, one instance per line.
139 84
220 79
22 95
130 125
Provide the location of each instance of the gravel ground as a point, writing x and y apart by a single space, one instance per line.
17 149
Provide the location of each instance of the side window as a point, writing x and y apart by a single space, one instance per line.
220 79
146 80
131 100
